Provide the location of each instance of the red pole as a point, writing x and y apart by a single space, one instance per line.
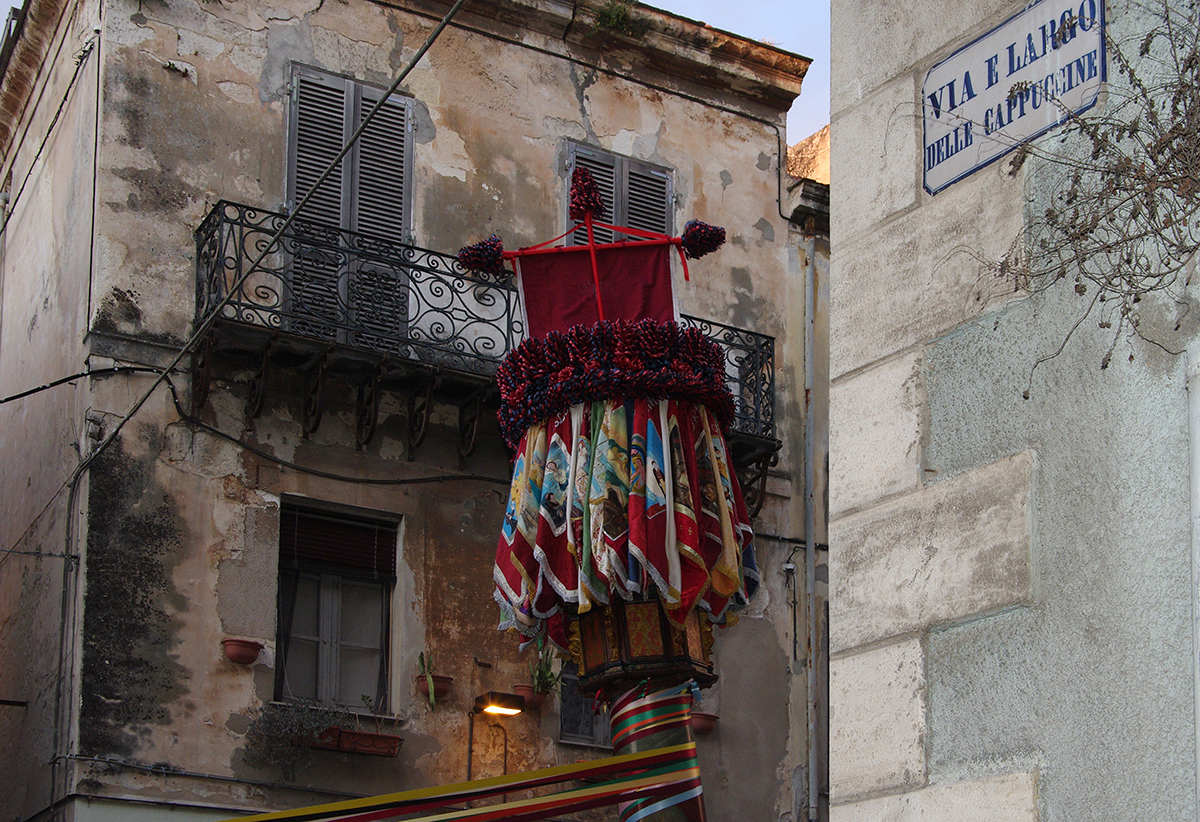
587 219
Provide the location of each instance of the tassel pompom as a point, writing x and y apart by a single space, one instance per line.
701 238
486 257
585 195
610 360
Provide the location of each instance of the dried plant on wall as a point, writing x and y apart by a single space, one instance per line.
1114 196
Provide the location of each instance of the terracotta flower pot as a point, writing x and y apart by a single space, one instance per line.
360 742
533 698
441 685
241 651
702 723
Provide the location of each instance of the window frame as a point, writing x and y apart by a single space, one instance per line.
332 578
628 173
340 270
358 99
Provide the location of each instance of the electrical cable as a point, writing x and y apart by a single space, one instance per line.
267 248
256 450
781 159
203 328
114 370
316 472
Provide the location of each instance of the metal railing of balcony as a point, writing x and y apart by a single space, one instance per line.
409 303
749 373
344 287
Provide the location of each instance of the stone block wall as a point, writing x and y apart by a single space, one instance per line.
1011 577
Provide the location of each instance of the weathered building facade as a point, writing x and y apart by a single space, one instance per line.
1012 567
322 475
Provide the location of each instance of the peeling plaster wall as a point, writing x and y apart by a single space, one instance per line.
492 121
181 539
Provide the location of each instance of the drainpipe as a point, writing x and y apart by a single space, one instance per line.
1193 390
810 536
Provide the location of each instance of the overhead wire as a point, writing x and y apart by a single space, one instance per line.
206 325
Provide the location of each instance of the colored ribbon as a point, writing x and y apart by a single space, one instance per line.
651 776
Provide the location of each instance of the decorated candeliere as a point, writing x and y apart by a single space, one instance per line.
626 538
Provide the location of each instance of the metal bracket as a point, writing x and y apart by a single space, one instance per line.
258 383
314 406
419 412
202 361
468 422
367 405
754 483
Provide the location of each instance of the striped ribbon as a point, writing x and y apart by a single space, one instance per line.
657 719
656 776
635 718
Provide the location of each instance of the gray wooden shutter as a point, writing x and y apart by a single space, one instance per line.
381 175
319 114
636 194
331 290
604 169
647 198
320 106
379 287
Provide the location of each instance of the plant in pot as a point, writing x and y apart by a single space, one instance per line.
543 678
428 683
280 732
381 742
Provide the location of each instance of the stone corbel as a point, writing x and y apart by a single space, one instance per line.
258 383
314 405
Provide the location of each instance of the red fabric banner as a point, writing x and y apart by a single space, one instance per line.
558 290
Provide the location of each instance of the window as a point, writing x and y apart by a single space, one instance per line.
336 574
636 194
370 191
579 723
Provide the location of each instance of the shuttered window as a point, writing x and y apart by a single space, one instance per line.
351 543
336 574
370 191
636 194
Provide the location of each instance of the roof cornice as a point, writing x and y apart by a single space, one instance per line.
30 42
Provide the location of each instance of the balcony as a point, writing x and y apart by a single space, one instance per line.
379 315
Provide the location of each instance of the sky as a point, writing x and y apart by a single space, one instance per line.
799 27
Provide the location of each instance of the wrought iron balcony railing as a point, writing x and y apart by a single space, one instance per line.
408 303
340 286
749 372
